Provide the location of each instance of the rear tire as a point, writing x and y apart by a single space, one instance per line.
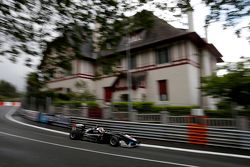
73 135
114 141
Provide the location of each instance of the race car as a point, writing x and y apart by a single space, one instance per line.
100 135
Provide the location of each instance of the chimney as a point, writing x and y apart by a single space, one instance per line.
206 36
190 20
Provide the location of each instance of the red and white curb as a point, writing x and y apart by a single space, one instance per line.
14 104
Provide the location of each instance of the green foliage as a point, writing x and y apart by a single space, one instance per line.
60 103
143 106
29 30
108 64
83 93
225 113
233 87
218 113
234 14
175 110
33 84
73 104
92 104
7 90
149 107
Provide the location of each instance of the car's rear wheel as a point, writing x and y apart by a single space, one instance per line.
114 141
73 135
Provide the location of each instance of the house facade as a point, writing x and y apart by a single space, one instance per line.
163 64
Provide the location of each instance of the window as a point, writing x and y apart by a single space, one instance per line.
133 62
107 94
124 97
162 85
162 55
136 36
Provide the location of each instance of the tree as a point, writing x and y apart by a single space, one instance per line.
33 84
233 87
232 13
27 25
7 90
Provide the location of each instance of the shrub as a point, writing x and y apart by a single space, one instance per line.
218 113
175 110
139 106
149 107
60 103
92 104
73 104
143 106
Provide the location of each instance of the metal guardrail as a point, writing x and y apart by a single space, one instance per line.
149 118
141 130
191 133
221 123
210 136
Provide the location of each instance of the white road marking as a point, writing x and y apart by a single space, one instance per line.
98 152
196 151
12 111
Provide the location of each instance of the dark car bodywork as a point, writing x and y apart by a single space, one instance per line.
79 132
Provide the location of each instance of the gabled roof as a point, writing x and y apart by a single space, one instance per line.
161 33
85 50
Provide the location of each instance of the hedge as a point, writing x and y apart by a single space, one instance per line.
226 113
91 104
149 107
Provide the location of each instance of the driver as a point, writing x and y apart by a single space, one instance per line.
100 129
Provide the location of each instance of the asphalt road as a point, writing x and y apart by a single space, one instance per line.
23 146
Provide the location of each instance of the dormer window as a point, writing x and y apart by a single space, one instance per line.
136 36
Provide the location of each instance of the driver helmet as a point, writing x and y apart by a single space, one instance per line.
101 129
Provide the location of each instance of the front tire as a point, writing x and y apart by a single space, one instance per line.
114 141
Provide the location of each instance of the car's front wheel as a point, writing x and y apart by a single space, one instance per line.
114 141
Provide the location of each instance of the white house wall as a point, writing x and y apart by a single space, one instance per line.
206 63
101 83
86 67
208 67
193 52
182 75
179 85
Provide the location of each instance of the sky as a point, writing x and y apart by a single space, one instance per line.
231 47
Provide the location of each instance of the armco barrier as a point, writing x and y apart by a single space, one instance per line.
58 120
192 134
209 136
142 130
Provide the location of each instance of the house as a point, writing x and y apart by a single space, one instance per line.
165 67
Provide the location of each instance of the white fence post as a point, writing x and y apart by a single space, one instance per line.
164 117
106 112
242 123
65 110
133 116
51 109
84 112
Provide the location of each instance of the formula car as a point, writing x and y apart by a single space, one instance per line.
100 135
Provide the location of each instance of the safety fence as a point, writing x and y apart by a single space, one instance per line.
195 132
163 117
53 119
